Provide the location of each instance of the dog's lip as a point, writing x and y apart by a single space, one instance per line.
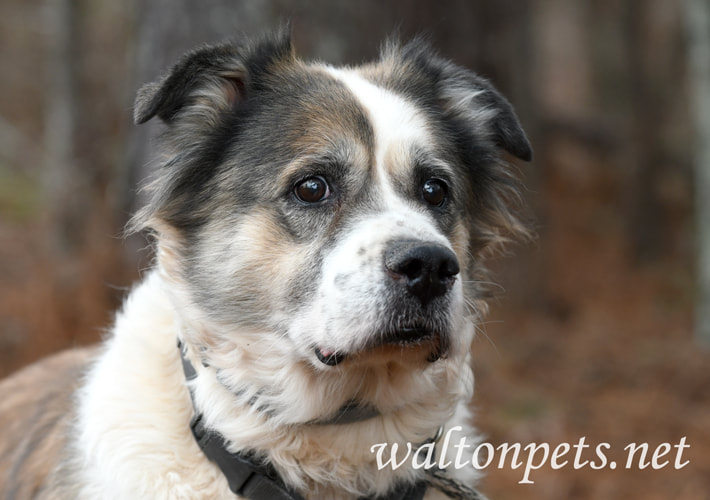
407 336
329 357
417 335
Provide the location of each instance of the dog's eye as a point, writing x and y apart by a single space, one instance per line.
312 190
434 192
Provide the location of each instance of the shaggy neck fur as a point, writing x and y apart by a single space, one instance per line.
323 461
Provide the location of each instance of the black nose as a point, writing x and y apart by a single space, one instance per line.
426 269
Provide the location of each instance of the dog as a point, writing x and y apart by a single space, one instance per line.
320 235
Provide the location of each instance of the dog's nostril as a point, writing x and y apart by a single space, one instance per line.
449 267
427 269
411 268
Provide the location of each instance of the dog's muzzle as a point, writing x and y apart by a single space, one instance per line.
420 273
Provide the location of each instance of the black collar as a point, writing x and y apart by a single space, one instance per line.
253 479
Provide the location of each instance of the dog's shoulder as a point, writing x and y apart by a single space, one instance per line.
35 417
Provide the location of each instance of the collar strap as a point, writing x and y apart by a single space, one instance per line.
247 477
255 480
351 412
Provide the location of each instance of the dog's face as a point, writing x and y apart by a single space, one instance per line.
336 213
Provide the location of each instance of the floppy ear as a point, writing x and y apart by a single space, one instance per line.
465 95
215 72
209 79
475 99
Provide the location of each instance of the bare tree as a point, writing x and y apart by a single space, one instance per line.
698 28
61 169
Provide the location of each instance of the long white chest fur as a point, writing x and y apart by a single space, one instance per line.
135 410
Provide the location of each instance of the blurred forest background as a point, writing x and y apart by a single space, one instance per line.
594 335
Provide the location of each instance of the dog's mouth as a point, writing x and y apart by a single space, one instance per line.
329 357
407 335
404 337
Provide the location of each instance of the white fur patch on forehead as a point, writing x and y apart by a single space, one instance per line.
396 123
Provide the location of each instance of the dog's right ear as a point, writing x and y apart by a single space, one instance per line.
213 72
210 79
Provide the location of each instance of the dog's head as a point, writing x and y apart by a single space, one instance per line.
337 216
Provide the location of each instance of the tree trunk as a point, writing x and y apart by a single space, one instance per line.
698 28
62 177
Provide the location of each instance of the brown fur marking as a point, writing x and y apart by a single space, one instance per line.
35 416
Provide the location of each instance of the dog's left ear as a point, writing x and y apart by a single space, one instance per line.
464 95
475 99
